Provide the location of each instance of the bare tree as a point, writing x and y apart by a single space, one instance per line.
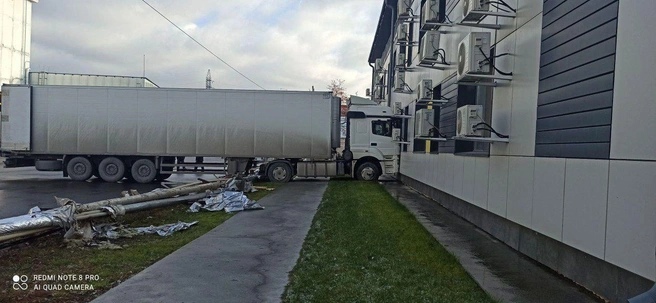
338 89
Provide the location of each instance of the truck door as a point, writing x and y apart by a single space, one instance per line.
380 137
359 136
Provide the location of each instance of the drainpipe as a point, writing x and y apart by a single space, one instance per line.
390 74
373 79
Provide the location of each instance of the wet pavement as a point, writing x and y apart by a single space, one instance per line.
25 187
504 273
246 259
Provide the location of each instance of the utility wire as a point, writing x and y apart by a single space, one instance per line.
201 45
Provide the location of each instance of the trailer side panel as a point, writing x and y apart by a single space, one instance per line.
189 122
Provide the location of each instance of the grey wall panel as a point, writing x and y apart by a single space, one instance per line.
556 9
448 114
598 134
574 150
577 120
606 31
585 18
583 88
576 105
577 73
595 52
240 140
600 67
62 120
579 15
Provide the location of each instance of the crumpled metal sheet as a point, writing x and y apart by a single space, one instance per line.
111 231
229 201
56 217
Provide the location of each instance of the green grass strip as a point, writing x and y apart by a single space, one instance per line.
364 246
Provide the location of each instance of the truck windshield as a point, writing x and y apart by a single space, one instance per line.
381 128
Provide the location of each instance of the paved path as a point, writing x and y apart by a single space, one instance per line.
504 273
245 259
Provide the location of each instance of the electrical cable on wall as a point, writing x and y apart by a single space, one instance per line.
489 61
201 45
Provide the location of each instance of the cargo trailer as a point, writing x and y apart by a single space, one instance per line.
138 133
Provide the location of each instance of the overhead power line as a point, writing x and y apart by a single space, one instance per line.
201 45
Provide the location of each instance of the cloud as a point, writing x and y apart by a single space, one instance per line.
280 44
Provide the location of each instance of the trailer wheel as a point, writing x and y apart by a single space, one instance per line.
279 172
367 172
111 169
143 171
79 169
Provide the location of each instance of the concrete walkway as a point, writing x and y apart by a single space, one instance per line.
245 259
502 272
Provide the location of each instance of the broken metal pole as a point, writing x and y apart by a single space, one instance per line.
154 195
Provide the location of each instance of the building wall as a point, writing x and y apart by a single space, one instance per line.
15 36
598 201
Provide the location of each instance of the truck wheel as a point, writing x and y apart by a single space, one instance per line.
367 172
143 171
111 169
279 172
79 169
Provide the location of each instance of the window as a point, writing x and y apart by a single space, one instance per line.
381 128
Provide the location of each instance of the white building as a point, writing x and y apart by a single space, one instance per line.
15 39
574 186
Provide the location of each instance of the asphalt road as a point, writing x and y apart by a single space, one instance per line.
25 187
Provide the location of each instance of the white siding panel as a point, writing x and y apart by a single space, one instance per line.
520 189
548 197
634 108
498 186
469 179
631 232
525 89
481 182
586 198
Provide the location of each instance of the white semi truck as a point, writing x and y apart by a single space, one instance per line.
138 133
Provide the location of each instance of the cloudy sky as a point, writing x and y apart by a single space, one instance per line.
279 44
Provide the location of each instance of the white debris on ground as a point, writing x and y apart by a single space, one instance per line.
228 201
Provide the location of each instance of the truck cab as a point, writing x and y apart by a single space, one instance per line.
372 139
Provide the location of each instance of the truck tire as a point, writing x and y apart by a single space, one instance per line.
143 171
367 172
111 169
79 169
279 172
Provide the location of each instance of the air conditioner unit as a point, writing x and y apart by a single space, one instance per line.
424 122
398 108
402 33
405 8
400 60
467 117
472 53
399 84
396 134
378 65
430 43
474 10
430 13
425 90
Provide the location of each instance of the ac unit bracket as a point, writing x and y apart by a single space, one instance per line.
483 139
